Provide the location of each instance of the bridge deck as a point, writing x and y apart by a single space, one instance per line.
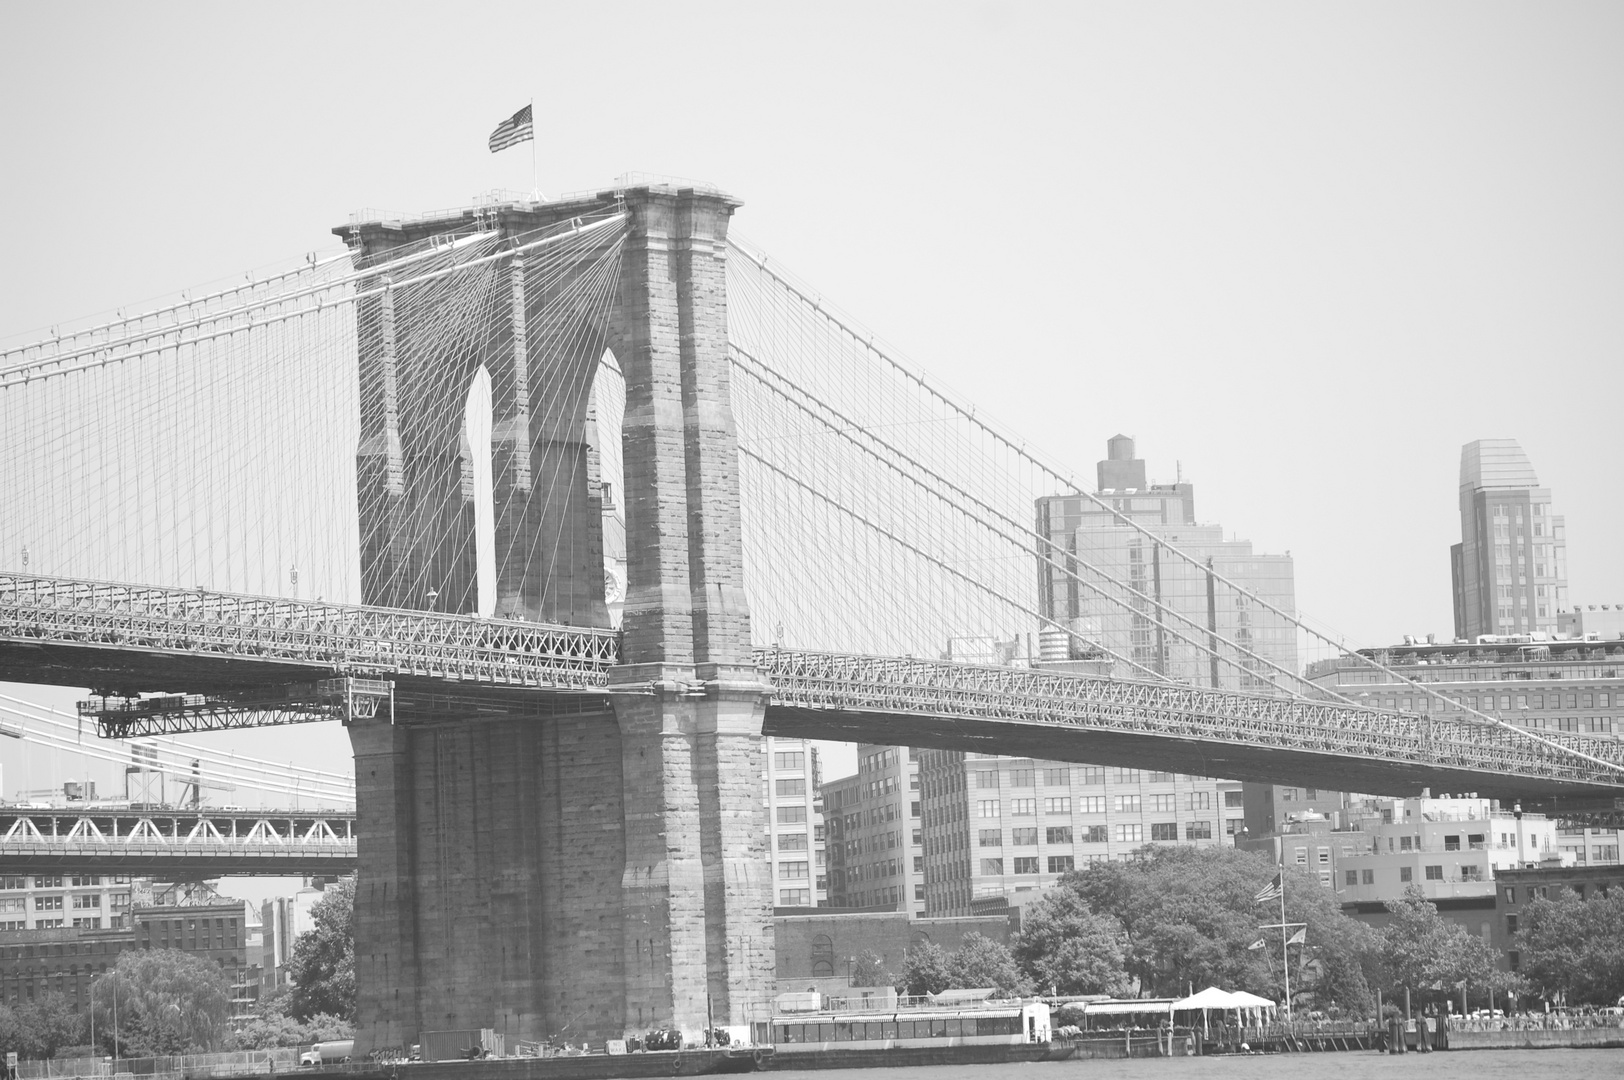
136 639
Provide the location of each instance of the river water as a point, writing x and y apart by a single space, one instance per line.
1352 1065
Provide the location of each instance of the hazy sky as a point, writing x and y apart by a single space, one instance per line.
1304 251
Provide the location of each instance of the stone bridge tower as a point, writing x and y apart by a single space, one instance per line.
581 870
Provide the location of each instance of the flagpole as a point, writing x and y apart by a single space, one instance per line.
1285 964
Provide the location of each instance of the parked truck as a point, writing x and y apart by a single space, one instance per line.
328 1053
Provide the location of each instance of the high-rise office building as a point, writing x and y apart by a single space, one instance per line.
1125 540
1510 568
875 843
997 826
794 823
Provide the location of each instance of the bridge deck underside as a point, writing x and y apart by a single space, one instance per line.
130 671
1196 757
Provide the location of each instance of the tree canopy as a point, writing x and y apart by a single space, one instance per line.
322 967
271 1026
168 1002
1065 948
1423 950
1188 916
1572 949
978 962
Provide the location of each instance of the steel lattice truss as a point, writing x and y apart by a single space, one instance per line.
188 842
890 686
352 640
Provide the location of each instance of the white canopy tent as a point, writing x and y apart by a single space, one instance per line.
1214 998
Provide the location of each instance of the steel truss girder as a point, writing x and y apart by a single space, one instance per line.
293 703
175 839
350 639
895 685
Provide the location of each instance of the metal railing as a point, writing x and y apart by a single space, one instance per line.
907 686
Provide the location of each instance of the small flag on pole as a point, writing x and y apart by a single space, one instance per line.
1271 891
1258 944
514 130
1299 938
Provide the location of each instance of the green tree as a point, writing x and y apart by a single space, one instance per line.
980 961
1064 948
45 1025
1573 949
271 1026
870 970
924 970
167 1001
1189 914
1422 950
322 967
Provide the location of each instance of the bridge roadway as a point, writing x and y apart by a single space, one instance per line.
176 843
128 640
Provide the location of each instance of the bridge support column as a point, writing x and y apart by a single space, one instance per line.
387 977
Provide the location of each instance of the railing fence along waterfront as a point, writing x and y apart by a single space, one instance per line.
164 1067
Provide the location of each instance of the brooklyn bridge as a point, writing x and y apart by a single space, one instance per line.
374 488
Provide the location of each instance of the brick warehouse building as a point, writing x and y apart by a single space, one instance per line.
64 959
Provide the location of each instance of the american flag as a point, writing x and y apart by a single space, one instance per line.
1271 891
514 130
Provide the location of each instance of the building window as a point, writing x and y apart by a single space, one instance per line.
991 838
47 903
1061 805
790 815
1060 864
793 870
1324 855
1288 794
1091 804
1024 837
87 900
1020 778
1164 830
986 778
1514 960
1127 776
792 841
795 897
823 957
1511 894
1451 843
1350 877
1198 830
1367 877
789 759
1090 776
988 808
790 786
1058 834
1094 834
1435 873
1026 864
1023 807
13 881
992 867
1163 804
1129 834
919 892
1511 924
1200 800
1056 777
1127 804
1234 799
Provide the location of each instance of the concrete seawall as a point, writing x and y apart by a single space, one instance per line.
1538 1038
